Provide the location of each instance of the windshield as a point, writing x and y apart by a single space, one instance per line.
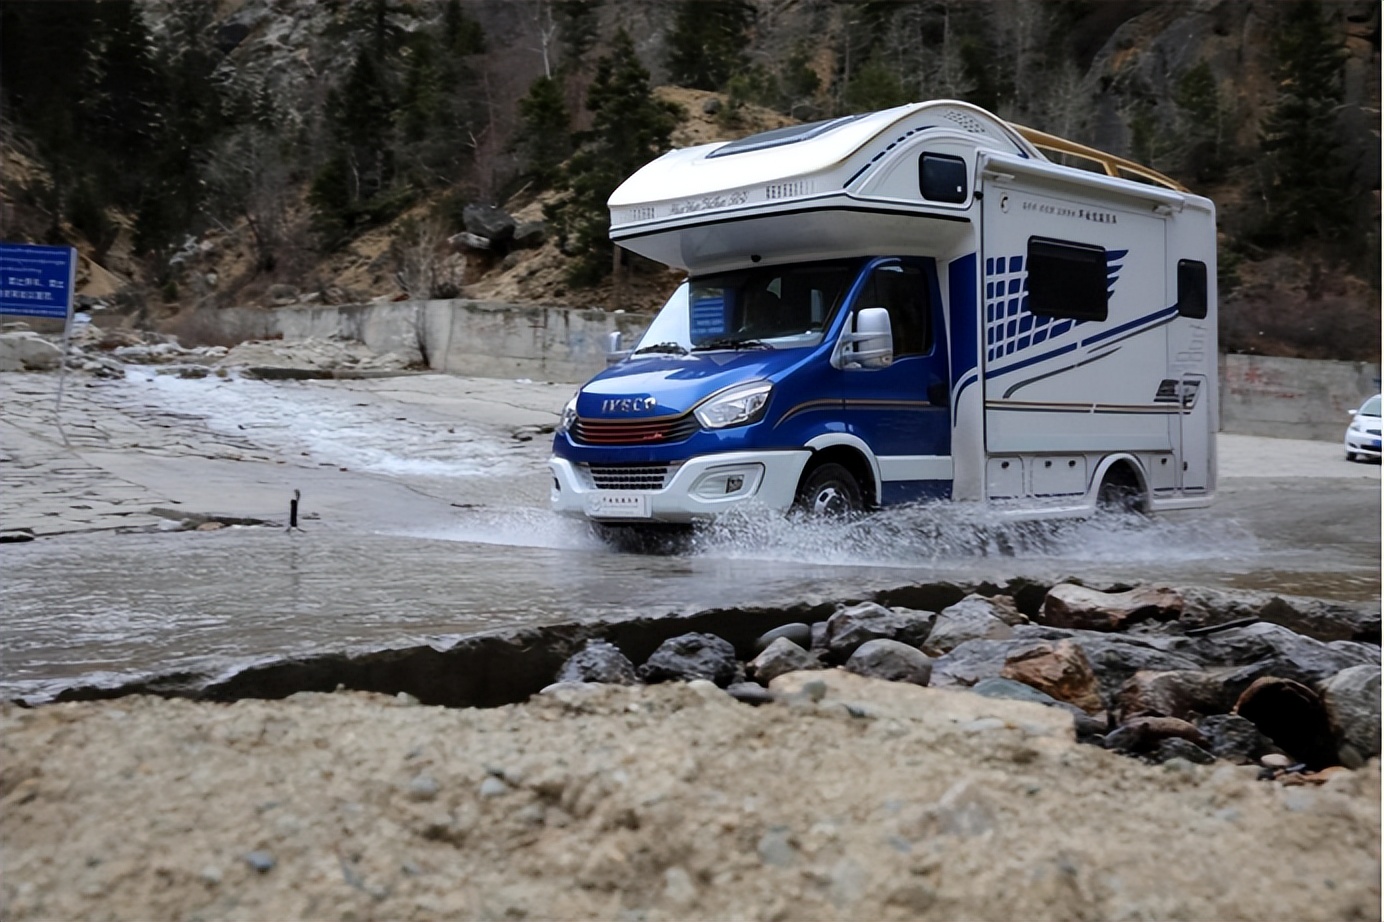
1371 407
769 307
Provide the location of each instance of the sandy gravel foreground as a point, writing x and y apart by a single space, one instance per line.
855 799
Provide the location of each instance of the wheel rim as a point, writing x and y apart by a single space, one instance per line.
830 501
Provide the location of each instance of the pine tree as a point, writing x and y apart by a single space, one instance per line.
545 132
1299 138
707 44
1200 117
629 128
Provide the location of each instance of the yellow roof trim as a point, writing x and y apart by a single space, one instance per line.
1109 163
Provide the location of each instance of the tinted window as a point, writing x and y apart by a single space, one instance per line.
1067 280
781 305
942 178
903 291
1191 288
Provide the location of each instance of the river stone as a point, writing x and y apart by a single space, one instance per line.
973 618
1142 734
780 657
1071 606
975 660
1351 698
27 351
692 656
889 659
1234 738
598 661
1324 620
799 633
1293 716
1061 670
1176 693
852 626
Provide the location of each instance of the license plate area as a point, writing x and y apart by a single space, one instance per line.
618 505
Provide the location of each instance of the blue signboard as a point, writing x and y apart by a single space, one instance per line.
37 281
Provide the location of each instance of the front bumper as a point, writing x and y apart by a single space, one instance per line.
1362 444
699 488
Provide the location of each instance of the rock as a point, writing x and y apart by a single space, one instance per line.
1061 670
997 687
423 788
749 693
1269 649
469 240
27 351
852 626
1071 606
489 222
1175 693
973 618
261 860
692 656
776 848
598 661
1351 698
799 633
975 660
1234 738
780 657
281 294
891 660
530 235
1324 620
1142 734
1293 716
493 787
1175 747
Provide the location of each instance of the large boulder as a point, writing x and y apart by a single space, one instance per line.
853 625
692 656
1351 699
1068 605
889 659
1270 649
493 224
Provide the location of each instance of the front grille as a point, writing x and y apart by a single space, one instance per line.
629 476
634 431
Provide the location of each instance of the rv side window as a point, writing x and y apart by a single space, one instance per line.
942 178
1191 289
1067 280
903 291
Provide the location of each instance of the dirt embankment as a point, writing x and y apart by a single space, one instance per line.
852 799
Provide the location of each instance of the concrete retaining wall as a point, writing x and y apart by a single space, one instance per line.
1292 398
1284 398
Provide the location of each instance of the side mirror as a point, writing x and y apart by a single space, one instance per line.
872 343
615 354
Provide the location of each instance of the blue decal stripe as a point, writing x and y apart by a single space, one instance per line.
1153 320
1070 347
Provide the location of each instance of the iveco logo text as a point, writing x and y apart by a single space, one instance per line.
627 404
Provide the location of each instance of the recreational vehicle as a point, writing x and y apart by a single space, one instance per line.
922 303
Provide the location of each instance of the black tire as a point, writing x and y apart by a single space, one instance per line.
832 491
1119 493
1350 456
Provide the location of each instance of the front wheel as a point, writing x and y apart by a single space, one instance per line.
830 490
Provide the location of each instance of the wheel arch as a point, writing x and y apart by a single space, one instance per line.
1123 469
851 453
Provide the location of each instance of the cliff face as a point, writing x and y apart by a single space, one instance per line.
1183 86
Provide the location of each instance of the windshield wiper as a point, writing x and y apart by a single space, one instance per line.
670 348
730 343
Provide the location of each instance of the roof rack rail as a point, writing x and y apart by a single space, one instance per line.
1109 163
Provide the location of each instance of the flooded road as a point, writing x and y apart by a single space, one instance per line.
405 546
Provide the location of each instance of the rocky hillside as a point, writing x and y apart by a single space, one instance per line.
1192 88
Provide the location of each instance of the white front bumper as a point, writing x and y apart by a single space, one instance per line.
698 488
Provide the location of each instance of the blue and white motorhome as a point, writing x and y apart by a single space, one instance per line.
905 305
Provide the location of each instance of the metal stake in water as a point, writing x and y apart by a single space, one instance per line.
293 513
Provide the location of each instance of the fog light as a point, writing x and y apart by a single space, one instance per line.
734 483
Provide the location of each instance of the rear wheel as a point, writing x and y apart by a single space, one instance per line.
830 490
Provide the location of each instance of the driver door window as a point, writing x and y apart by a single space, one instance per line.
903 291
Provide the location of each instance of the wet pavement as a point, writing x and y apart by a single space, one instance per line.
423 517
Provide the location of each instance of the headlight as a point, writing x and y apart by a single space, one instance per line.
569 415
735 406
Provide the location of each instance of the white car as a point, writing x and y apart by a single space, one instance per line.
1362 438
